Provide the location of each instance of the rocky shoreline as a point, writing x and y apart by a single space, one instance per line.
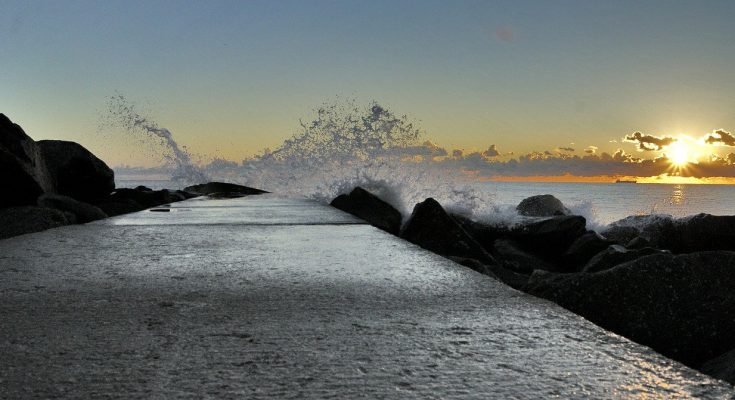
662 282
51 183
665 283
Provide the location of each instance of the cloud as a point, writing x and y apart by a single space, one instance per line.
720 137
590 149
457 153
648 142
491 152
428 150
569 149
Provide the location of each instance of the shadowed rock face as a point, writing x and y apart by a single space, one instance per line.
75 172
370 208
682 306
703 232
584 248
16 221
433 229
83 212
721 367
544 205
23 170
204 189
616 255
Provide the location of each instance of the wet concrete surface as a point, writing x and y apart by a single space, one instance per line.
219 302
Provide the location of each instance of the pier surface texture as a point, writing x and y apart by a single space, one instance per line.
270 297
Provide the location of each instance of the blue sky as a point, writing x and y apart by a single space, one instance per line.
230 78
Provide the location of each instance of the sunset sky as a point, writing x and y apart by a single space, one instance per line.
529 77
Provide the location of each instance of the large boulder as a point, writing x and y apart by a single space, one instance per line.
369 207
583 249
433 229
549 238
703 232
83 212
544 205
24 175
657 229
75 172
125 200
512 257
682 306
615 255
212 188
16 221
721 367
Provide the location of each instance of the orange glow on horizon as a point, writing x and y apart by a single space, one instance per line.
661 179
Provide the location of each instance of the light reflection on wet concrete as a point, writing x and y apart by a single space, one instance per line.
240 309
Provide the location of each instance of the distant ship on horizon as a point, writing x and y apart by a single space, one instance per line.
626 181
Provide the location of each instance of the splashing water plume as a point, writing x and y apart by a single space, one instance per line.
123 114
345 146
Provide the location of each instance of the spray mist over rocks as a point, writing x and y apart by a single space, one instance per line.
123 114
347 146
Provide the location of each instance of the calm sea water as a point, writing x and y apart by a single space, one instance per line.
602 203
608 202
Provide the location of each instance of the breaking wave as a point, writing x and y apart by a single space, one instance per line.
123 114
346 146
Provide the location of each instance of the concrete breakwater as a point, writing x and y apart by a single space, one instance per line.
266 296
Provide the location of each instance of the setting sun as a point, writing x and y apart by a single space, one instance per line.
679 153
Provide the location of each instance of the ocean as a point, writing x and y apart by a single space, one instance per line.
600 203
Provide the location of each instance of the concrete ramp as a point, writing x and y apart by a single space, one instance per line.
268 297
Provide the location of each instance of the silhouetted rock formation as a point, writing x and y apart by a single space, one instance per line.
433 229
616 255
221 187
75 172
16 221
721 367
124 200
517 260
584 248
83 212
370 208
682 306
544 205
23 169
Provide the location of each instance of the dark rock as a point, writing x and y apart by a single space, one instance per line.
83 212
549 238
115 207
544 205
143 188
221 187
657 229
621 235
703 232
16 221
485 234
24 175
721 367
433 229
75 172
146 199
510 278
584 248
681 306
616 255
370 208
124 200
638 243
512 257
